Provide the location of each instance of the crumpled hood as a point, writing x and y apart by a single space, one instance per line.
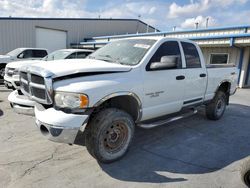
4 58
18 64
59 68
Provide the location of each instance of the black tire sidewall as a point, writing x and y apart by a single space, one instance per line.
99 125
246 178
221 96
245 172
211 107
2 69
109 156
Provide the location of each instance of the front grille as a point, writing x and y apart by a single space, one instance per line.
39 93
37 79
34 86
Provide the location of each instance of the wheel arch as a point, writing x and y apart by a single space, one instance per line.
127 101
225 86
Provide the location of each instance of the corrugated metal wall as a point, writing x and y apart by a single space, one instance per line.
16 33
234 53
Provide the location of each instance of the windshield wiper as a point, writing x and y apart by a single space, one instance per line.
110 59
107 58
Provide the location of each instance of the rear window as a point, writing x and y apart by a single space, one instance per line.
82 54
191 55
39 53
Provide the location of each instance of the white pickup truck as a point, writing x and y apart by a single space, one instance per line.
20 103
141 81
21 54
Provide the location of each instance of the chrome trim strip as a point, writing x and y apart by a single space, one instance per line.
49 89
38 99
23 80
37 85
23 110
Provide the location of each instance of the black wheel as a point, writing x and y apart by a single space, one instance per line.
216 108
2 71
109 134
245 173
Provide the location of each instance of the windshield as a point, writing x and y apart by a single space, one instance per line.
14 53
56 55
127 52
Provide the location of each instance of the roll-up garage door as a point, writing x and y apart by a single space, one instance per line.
50 39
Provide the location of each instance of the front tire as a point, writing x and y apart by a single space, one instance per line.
109 134
245 173
216 108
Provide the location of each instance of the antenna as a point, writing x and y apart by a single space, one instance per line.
207 22
137 26
196 25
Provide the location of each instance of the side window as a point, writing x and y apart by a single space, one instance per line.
191 55
72 56
39 53
81 55
26 54
170 49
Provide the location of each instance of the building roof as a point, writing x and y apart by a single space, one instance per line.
222 36
93 19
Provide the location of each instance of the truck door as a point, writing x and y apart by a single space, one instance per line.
195 75
163 87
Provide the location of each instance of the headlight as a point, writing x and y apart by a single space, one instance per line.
71 100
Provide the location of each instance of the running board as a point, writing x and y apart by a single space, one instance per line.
168 120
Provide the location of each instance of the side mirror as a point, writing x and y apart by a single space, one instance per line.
167 62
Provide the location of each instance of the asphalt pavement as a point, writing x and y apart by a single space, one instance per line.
192 152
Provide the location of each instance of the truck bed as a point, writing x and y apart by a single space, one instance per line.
215 73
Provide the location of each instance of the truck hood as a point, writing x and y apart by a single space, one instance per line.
68 67
4 58
18 64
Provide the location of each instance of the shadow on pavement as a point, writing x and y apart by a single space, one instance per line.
194 145
1 112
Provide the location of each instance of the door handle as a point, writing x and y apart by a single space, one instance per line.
233 73
181 77
203 75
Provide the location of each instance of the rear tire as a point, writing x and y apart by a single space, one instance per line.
216 108
245 173
109 134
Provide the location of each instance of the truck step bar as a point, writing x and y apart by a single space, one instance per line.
167 120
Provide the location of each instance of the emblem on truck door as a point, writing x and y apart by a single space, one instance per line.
154 94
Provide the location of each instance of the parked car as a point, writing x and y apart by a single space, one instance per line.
245 172
140 81
21 54
20 103
11 77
